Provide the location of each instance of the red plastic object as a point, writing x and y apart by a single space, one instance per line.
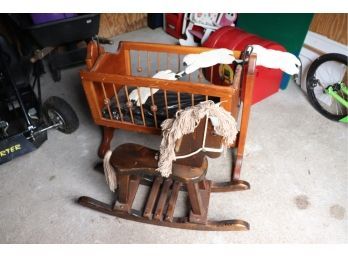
267 81
174 24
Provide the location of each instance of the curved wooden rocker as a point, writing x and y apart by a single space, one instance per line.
133 164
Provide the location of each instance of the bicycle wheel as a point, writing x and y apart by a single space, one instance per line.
329 70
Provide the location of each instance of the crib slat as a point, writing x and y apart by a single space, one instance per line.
179 102
129 104
153 107
193 99
166 102
106 101
139 68
200 75
211 74
167 61
158 62
117 101
178 62
148 64
141 107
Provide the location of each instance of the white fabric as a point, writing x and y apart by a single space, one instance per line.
145 92
206 59
269 58
274 59
110 174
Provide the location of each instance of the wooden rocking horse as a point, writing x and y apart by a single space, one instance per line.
181 164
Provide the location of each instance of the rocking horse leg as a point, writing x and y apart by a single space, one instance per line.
199 200
234 184
128 186
108 133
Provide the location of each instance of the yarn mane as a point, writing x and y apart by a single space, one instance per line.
186 122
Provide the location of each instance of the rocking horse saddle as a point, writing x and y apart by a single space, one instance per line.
134 159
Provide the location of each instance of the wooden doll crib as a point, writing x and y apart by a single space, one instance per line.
111 77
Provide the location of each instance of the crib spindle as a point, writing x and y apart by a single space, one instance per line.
141 107
200 75
167 61
153 108
117 101
179 62
179 102
148 58
158 62
193 99
165 102
139 68
129 104
211 74
106 101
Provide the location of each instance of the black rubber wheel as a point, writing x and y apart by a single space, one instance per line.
56 110
327 70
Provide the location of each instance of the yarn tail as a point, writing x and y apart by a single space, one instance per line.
110 174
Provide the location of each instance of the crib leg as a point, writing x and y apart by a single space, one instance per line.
237 168
104 146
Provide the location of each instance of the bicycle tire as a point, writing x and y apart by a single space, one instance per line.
311 83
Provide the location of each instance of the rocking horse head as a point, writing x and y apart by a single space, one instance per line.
204 129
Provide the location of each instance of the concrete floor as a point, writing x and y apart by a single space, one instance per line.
295 160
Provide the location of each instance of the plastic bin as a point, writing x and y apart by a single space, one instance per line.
39 18
63 31
267 81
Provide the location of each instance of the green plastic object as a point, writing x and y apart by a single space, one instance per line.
340 99
344 120
287 29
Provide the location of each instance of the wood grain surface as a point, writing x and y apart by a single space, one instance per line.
113 24
331 25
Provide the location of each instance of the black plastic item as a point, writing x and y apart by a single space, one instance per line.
22 126
60 60
62 34
55 33
155 20
18 145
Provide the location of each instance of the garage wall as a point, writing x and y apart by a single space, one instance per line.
113 24
331 25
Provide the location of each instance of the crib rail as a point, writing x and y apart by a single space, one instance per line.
103 90
111 79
